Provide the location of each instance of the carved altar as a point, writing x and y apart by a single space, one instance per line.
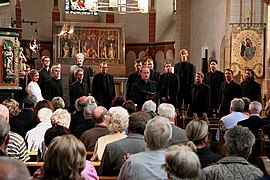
9 61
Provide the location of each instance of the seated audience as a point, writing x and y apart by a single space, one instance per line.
88 122
247 102
61 117
117 121
16 125
26 114
90 137
91 99
16 145
239 141
13 169
4 135
41 104
178 134
35 136
236 115
129 106
118 101
77 118
58 103
150 108
147 164
182 163
65 159
197 133
112 157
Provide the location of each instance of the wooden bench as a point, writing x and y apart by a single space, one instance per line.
107 177
264 165
264 143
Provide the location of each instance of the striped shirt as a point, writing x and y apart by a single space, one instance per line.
17 148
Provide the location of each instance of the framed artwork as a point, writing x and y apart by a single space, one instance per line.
247 49
98 42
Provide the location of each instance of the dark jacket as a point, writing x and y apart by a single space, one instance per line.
132 78
53 89
228 91
87 73
251 89
44 75
103 89
76 91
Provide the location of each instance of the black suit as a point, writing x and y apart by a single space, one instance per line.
154 75
132 78
185 72
76 91
214 80
103 89
199 99
168 87
53 89
228 91
251 89
87 73
44 76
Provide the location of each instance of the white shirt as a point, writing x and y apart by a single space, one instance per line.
35 136
232 119
34 89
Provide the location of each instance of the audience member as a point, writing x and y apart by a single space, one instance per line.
250 88
239 141
134 143
168 85
182 163
16 125
150 108
133 77
58 103
144 89
247 102
90 137
16 145
178 135
147 164
4 135
78 88
117 121
88 120
103 86
129 106
61 117
199 97
236 115
197 133
35 136
118 101
91 99
214 78
44 73
65 159
33 87
26 114
13 169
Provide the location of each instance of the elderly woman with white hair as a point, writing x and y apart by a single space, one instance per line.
35 136
117 121
61 117
150 108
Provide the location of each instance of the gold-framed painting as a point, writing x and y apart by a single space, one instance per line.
247 48
98 42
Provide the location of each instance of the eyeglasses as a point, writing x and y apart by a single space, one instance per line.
168 66
79 74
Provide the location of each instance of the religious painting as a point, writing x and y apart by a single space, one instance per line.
98 42
247 49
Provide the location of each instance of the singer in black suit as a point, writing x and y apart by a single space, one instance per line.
199 98
44 74
133 77
88 72
185 72
53 85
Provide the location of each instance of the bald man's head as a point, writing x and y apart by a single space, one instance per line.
98 114
4 111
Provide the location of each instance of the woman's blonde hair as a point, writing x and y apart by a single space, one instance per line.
64 159
13 107
182 163
117 119
32 73
61 117
196 131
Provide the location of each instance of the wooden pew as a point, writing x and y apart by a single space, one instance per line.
264 165
107 177
264 143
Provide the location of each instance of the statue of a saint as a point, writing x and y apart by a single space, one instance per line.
9 58
111 52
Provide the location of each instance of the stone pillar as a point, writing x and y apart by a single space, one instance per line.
109 18
152 25
182 34
267 58
18 14
55 12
